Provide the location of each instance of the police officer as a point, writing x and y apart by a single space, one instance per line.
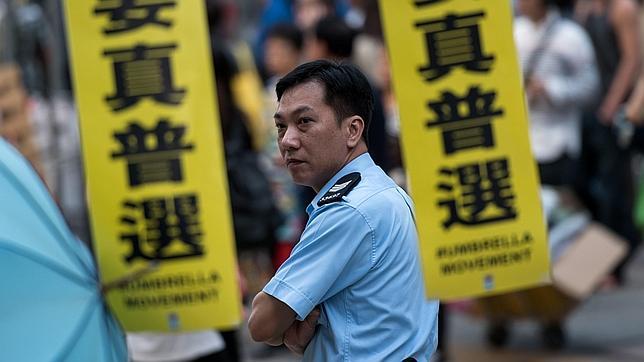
352 289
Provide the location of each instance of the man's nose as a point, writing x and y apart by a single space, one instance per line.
291 139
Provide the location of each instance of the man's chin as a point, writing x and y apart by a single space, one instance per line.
298 178
300 182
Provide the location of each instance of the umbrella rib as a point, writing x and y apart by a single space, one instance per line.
111 354
115 331
43 216
12 247
78 329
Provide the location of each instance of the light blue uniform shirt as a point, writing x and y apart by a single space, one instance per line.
358 258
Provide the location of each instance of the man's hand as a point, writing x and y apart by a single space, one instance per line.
299 334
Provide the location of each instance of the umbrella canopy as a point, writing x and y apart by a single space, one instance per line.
51 306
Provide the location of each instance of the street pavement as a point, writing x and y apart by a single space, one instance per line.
609 326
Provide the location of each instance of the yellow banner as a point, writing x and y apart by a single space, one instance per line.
465 141
154 162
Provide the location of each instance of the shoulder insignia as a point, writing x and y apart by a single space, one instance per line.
342 187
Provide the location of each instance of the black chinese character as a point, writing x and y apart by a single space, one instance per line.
127 15
153 155
422 3
141 72
485 194
451 42
162 229
468 126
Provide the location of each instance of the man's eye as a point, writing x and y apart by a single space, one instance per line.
304 120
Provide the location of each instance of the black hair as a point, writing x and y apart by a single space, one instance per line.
346 89
336 34
287 32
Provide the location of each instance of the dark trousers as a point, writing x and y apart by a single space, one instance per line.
563 171
608 191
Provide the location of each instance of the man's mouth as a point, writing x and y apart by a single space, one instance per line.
293 162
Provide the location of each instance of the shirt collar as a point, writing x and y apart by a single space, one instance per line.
358 164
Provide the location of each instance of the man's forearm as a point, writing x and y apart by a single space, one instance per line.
269 319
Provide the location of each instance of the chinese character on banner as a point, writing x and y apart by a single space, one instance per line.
485 194
126 15
469 129
153 155
422 3
143 71
162 228
452 42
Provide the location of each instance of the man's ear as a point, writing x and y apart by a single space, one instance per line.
354 128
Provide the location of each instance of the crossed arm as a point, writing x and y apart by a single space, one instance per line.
273 322
318 268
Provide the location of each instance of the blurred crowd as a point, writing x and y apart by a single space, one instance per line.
582 72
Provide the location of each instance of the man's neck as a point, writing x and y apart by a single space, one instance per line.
354 153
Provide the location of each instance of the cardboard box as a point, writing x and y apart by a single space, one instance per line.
576 275
585 263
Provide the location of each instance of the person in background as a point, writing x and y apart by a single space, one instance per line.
561 79
613 27
301 13
352 289
332 39
282 51
274 12
608 191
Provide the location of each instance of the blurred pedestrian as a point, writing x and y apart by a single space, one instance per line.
613 27
608 190
274 12
282 52
353 287
561 80
332 39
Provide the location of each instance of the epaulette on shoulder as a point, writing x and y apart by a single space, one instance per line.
342 187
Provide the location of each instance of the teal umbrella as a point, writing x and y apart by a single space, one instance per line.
51 306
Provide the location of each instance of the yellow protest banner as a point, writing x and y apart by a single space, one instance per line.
154 162
466 148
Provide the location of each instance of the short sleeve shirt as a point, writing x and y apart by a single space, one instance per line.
358 260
